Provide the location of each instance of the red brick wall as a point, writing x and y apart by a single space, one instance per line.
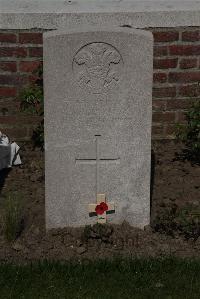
20 55
176 77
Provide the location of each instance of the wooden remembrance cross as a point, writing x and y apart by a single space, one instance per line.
101 208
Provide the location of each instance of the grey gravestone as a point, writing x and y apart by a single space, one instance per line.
98 86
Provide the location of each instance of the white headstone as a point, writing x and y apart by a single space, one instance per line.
98 85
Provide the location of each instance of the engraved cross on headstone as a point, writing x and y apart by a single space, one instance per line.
97 161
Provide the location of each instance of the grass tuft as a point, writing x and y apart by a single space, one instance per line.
13 215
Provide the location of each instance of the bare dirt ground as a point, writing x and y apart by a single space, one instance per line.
175 184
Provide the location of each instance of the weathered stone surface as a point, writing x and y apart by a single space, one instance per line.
54 14
97 82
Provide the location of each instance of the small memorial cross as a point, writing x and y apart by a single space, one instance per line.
101 208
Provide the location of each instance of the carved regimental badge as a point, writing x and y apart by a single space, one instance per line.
97 67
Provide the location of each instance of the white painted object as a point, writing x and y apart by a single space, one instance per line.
9 155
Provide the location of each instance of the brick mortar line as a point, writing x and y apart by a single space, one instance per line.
18 125
14 59
173 110
7 72
9 85
18 72
176 84
176 70
3 99
179 35
17 62
18 45
165 124
177 98
177 43
165 84
17 37
176 57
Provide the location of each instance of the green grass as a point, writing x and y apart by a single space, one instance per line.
121 278
13 214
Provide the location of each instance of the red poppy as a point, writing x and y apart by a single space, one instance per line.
101 208
104 205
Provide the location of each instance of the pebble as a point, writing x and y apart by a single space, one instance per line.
81 250
79 243
17 246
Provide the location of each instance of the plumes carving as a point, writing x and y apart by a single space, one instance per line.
94 66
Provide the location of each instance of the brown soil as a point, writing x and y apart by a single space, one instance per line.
174 183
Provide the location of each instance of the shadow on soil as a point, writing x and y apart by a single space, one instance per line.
3 175
152 177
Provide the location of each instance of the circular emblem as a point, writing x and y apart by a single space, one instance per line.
97 67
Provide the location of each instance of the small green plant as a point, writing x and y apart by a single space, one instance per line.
32 102
13 215
188 219
183 221
165 222
38 135
189 133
